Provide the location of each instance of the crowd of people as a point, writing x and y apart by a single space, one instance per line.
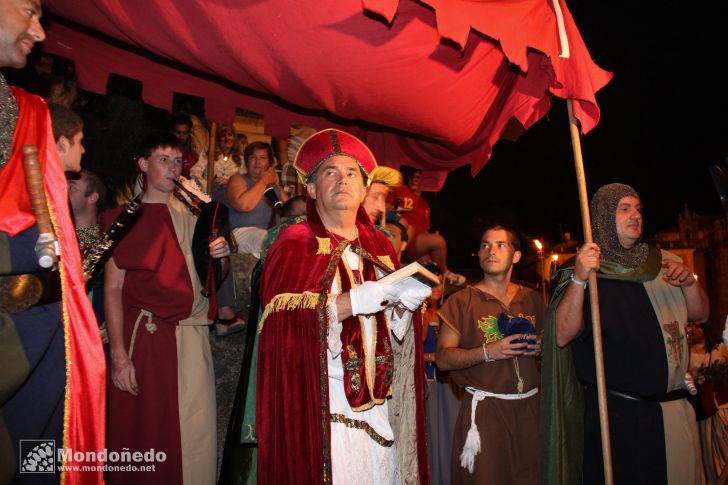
352 380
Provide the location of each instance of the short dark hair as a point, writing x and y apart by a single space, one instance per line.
65 122
287 208
407 172
94 184
258 145
511 230
180 119
402 231
158 139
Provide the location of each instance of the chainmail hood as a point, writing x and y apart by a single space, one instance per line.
604 226
8 118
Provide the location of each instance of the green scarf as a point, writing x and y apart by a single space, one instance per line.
561 424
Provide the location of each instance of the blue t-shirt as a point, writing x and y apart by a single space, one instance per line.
259 217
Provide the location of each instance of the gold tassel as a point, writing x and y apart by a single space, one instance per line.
387 261
324 245
289 301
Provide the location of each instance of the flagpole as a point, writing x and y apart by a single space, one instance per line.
593 299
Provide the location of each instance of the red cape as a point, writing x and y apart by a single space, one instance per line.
84 419
292 412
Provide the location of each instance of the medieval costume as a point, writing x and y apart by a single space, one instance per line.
89 238
442 404
712 409
339 402
506 416
652 425
294 356
166 335
52 379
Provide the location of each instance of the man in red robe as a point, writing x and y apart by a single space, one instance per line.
340 380
163 393
51 360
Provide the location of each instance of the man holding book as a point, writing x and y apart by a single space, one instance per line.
488 341
335 344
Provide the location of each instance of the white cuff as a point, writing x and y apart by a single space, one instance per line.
335 326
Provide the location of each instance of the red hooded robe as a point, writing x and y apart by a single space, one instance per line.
292 413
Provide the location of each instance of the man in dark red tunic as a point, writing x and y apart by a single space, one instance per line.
340 381
163 393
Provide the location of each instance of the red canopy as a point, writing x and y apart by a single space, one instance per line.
386 76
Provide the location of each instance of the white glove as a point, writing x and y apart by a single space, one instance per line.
371 297
725 332
412 298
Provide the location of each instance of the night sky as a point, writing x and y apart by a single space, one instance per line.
663 122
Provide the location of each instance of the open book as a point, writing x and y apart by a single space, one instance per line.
411 276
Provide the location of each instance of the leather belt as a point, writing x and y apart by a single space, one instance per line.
675 395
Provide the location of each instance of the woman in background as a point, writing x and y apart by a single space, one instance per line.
228 159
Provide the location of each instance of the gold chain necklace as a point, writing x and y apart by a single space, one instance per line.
359 275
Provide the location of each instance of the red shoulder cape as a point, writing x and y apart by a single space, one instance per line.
84 418
292 413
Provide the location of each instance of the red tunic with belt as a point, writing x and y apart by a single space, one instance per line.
158 295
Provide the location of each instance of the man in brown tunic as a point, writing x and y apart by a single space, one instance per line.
496 430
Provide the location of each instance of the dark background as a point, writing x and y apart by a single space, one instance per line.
663 122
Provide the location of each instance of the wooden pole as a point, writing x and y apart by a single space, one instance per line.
47 243
593 299
211 158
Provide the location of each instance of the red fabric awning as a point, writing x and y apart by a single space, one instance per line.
411 97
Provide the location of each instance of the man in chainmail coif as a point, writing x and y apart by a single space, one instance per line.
646 298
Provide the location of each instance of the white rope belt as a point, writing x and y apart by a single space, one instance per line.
150 326
472 441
